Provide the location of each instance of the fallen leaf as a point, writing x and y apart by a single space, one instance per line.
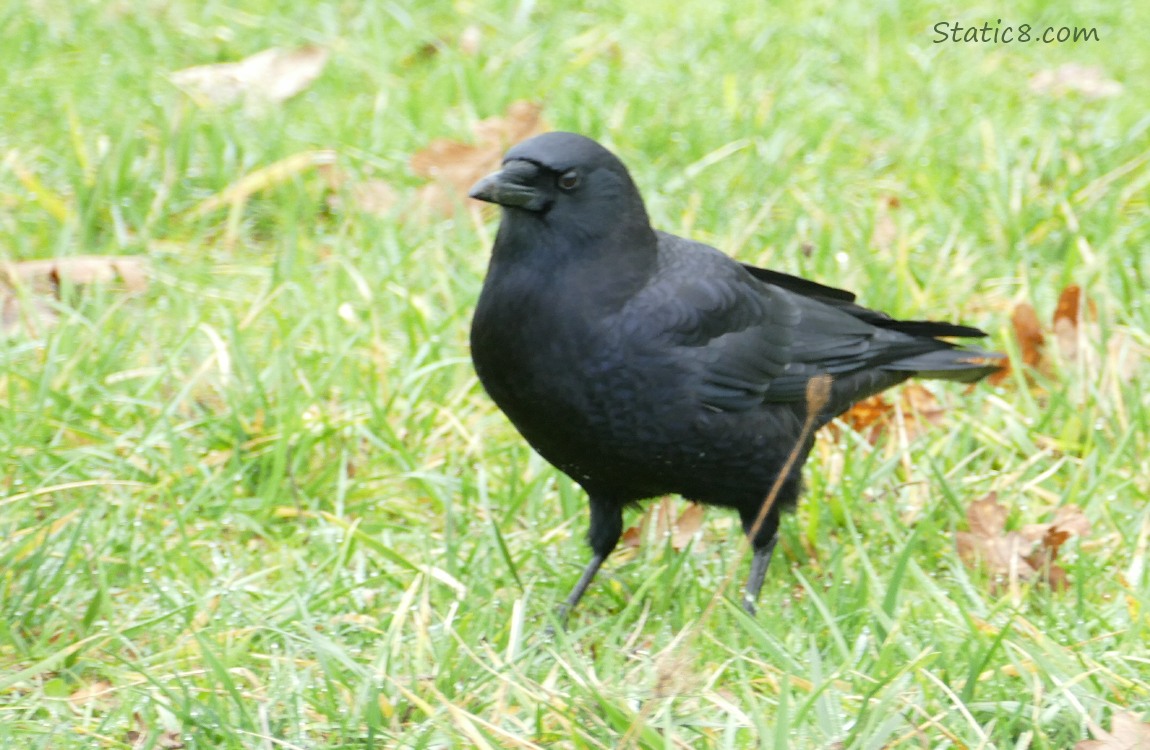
1028 334
77 270
686 526
1127 732
867 414
1071 519
271 76
658 519
986 516
987 544
1069 302
139 736
1002 373
920 403
100 690
167 740
453 167
1066 318
632 537
1075 329
1024 555
25 285
1087 80
873 416
1028 331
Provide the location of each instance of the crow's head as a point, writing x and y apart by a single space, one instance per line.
565 180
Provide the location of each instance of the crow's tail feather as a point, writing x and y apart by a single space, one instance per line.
964 365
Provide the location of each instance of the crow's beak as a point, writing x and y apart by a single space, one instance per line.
514 186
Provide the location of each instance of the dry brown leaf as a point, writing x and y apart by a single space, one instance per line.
1075 329
77 270
1027 554
988 545
986 516
873 416
453 167
139 736
866 415
1069 303
271 76
100 690
1127 732
632 537
1071 519
1088 80
1002 555
1028 331
166 740
686 526
659 518
920 403
1002 373
1066 318
24 285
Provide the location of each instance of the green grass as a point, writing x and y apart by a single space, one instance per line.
265 504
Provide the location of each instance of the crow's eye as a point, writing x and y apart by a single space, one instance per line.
569 180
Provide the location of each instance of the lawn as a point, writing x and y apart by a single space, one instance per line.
252 495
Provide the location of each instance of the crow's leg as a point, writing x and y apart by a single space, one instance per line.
580 587
606 527
759 564
763 543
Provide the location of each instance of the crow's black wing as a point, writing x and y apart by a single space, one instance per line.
799 285
845 301
707 317
750 342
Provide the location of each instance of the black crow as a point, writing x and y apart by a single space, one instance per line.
643 364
